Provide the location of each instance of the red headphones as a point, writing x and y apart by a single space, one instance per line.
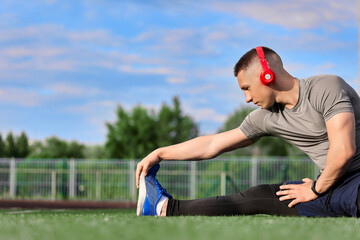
267 76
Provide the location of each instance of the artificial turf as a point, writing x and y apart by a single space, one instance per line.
124 224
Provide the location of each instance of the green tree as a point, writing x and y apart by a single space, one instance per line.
10 146
136 134
117 134
173 126
75 150
133 135
22 145
2 147
143 126
95 152
54 147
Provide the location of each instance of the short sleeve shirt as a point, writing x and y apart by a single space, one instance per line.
320 98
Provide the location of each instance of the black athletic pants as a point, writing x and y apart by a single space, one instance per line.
261 199
255 200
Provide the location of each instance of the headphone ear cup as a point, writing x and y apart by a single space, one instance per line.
267 77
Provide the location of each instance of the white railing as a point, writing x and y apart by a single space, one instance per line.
115 179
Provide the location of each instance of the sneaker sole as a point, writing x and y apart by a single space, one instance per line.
142 196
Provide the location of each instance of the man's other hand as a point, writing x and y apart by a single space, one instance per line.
297 192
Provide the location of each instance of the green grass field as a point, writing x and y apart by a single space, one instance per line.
124 224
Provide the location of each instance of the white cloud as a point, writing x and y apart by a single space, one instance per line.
61 88
202 113
145 70
294 67
302 14
50 47
93 107
207 114
221 71
37 96
180 42
325 66
31 33
50 2
98 37
21 97
96 113
217 36
201 89
21 51
7 19
176 80
56 65
42 33
81 50
91 14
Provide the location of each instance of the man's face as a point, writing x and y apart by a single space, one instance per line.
254 90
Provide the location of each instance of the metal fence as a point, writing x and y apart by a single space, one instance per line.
115 179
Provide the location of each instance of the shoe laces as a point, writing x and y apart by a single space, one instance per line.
161 189
158 186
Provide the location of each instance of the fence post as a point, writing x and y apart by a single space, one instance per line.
98 185
132 183
284 170
64 167
53 185
72 178
316 171
223 178
12 190
223 183
254 171
192 180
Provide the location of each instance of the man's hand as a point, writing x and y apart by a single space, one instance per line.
146 164
298 192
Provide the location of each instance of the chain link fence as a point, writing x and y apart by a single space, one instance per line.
77 179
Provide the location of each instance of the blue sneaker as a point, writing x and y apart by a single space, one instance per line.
150 192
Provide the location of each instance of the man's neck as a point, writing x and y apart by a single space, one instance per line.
288 96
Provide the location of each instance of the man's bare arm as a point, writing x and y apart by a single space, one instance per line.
204 147
341 134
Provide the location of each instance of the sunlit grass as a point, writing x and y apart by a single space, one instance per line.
124 224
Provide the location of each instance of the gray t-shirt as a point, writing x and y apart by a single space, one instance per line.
320 98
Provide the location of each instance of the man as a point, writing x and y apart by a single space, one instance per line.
320 115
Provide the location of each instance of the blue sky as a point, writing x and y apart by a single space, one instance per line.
65 66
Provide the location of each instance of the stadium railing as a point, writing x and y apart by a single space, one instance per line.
78 179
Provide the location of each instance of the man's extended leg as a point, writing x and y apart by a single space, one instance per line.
256 200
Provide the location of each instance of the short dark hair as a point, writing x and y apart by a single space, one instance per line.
245 61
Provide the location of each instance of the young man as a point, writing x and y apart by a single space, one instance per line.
320 115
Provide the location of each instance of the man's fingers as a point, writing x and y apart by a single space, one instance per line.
145 169
141 167
297 193
293 203
287 197
287 187
284 192
307 180
138 172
